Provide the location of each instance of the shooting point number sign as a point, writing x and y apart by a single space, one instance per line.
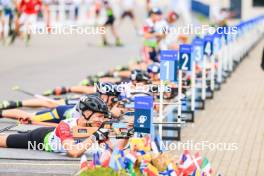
185 57
208 45
169 65
143 114
198 45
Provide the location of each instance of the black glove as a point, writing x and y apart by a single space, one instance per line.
130 132
101 135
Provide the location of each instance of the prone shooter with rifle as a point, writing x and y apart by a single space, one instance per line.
69 135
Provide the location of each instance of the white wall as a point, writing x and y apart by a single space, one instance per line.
248 11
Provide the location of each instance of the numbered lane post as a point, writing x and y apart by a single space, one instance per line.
185 64
218 56
209 53
230 57
197 55
168 72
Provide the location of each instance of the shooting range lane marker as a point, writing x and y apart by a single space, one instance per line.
193 83
185 64
204 78
168 72
161 117
209 52
219 56
198 56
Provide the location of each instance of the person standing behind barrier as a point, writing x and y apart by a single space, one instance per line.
47 13
183 8
152 35
171 40
8 15
97 6
128 7
1 21
148 5
110 21
28 10
76 4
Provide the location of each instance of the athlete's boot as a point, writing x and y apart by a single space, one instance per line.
105 43
57 91
27 39
118 42
10 104
13 36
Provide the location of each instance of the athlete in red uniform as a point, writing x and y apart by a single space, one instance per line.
29 10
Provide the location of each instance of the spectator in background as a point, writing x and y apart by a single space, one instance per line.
29 10
110 22
7 17
128 7
171 40
1 21
153 34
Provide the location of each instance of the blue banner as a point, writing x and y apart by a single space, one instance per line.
169 55
143 114
144 102
143 121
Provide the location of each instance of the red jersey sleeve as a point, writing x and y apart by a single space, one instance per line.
22 5
63 131
146 28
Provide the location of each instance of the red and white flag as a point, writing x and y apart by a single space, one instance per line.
197 160
187 165
84 162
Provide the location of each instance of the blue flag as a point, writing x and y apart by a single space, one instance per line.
96 159
117 161
159 144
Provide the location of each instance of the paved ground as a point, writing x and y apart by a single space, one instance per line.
60 60
235 116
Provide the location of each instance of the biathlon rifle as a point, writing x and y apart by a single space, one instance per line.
117 129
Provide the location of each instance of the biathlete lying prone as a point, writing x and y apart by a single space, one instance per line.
87 88
62 112
94 112
137 77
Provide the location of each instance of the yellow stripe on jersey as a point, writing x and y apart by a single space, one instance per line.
46 116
